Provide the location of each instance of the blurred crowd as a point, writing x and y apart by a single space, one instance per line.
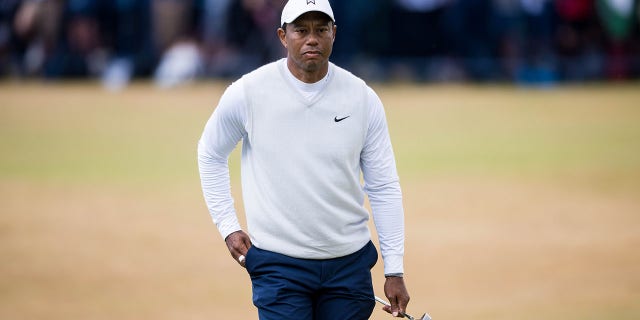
175 41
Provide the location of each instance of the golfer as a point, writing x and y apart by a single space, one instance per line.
309 130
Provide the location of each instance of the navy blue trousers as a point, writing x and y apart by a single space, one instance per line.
333 289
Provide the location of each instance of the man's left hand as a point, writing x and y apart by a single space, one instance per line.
396 292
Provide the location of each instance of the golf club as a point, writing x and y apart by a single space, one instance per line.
425 316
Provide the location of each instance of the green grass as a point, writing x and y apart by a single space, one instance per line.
84 135
79 133
590 131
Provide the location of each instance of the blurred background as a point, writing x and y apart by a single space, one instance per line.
171 41
515 125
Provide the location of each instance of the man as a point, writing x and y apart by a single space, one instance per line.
309 129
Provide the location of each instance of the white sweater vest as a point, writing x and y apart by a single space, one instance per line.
301 165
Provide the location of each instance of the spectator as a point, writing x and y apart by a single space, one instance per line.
250 36
127 26
506 25
472 39
364 35
213 24
417 35
177 39
29 31
538 63
578 40
617 17
8 49
79 42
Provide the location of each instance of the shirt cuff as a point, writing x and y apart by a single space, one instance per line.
227 229
393 264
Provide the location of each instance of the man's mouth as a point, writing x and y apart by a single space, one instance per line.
312 53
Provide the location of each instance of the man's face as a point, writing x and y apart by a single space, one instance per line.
309 41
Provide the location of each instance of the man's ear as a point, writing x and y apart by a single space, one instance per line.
282 35
335 28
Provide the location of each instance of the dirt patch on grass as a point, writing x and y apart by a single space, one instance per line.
475 249
502 249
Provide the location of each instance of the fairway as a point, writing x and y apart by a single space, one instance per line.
520 203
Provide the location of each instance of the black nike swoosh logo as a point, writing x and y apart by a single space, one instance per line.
338 120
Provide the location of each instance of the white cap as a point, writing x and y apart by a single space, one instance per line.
295 8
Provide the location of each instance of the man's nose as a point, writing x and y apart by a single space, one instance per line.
312 39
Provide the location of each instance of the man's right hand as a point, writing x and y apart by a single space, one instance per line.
238 244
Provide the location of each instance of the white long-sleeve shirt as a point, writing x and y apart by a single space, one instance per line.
304 148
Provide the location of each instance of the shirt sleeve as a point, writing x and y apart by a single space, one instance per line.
224 129
381 183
